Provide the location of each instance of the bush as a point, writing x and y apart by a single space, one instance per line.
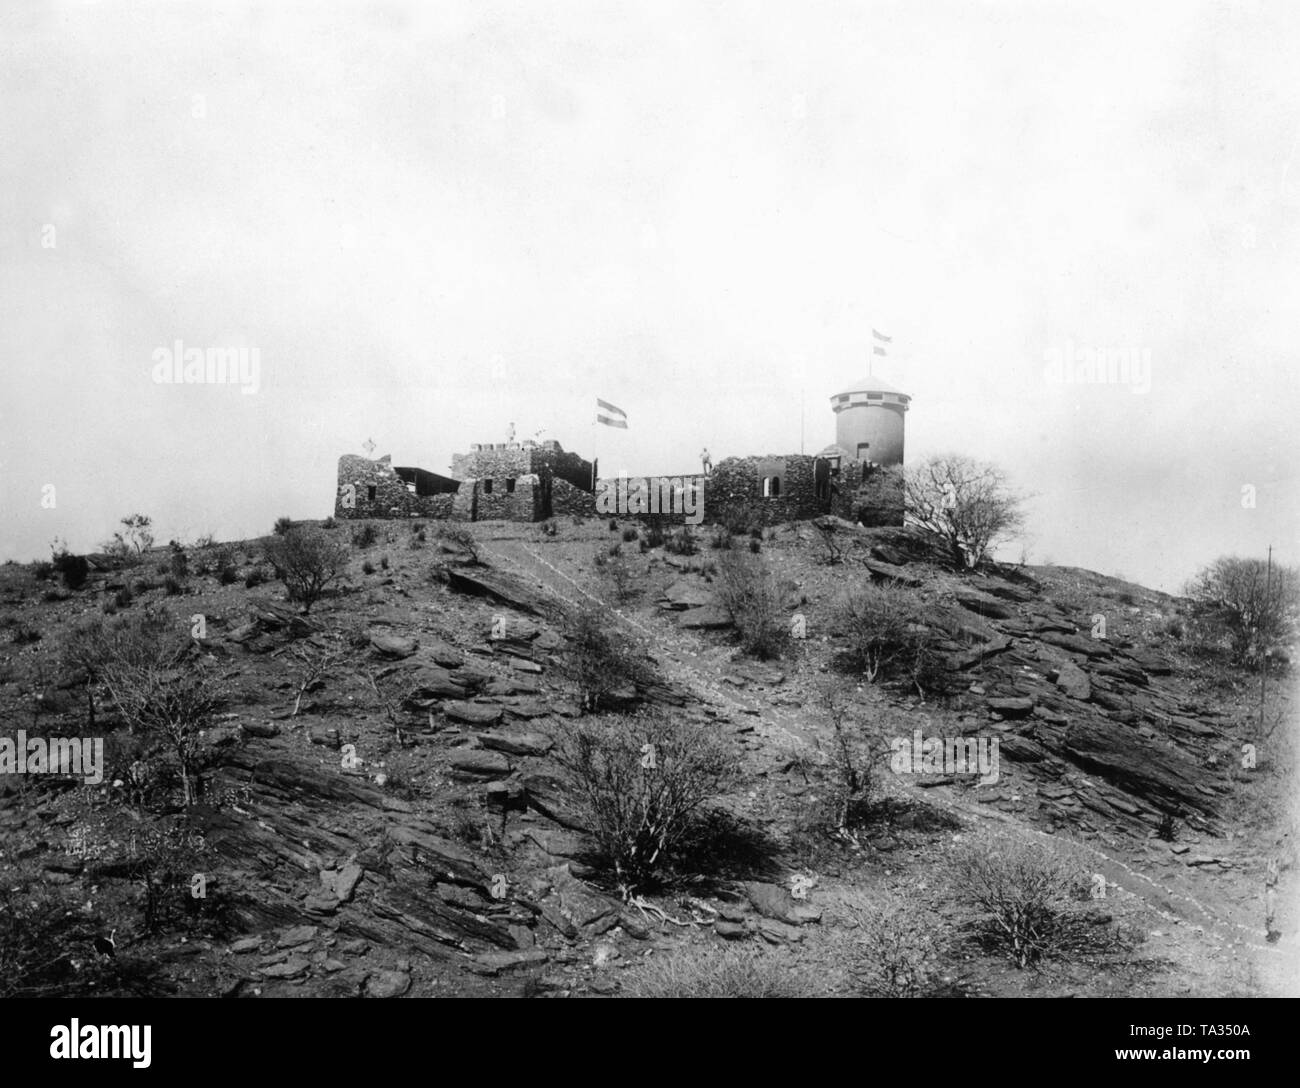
42 570
142 661
460 538
123 598
364 536
254 578
282 526
682 542
721 539
886 639
599 660
755 546
654 536
630 534
178 563
307 561
1025 893
329 523
173 586
383 562
367 567
751 597
856 761
640 781
74 569
720 972
613 525
227 575
896 949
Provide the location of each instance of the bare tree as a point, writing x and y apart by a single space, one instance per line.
963 504
1242 600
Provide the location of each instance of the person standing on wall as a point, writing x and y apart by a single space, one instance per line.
706 460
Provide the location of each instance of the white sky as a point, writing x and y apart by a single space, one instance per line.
432 221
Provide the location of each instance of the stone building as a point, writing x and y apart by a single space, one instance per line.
857 477
376 489
511 481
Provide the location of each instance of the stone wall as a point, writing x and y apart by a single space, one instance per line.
570 501
735 492
373 489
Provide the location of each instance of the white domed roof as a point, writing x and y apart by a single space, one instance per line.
871 384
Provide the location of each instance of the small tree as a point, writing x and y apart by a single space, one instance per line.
639 781
307 561
1241 601
963 505
137 533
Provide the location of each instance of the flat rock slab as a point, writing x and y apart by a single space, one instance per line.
442 653
888 572
1079 644
293 967
472 713
1014 707
710 617
983 605
477 761
496 963
560 844
392 645
685 593
516 743
297 935
1074 682
429 683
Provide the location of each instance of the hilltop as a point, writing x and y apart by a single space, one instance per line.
384 815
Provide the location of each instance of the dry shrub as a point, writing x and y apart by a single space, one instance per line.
749 593
1027 896
640 781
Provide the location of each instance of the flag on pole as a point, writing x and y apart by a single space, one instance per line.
876 348
617 417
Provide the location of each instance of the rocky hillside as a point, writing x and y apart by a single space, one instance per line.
382 813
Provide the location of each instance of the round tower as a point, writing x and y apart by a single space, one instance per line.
869 421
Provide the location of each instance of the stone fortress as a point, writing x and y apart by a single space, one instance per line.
855 477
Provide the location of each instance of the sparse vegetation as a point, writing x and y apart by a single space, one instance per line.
721 973
748 591
602 663
640 780
1242 603
882 627
964 506
896 948
282 526
307 561
1024 893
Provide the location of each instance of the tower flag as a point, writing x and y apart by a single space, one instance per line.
617 418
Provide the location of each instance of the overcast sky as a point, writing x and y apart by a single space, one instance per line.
433 221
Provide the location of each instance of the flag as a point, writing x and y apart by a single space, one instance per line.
610 420
876 349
